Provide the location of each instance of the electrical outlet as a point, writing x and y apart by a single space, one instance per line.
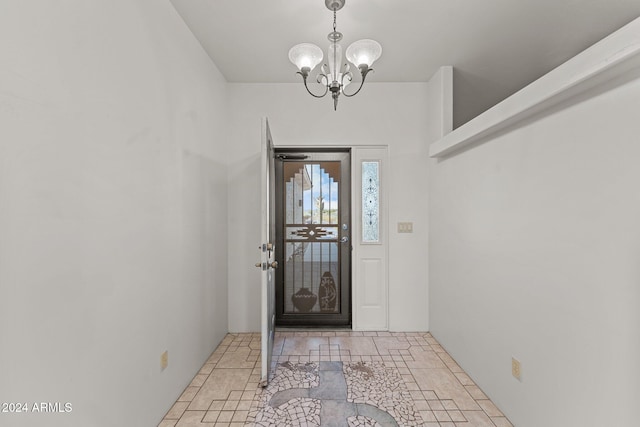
164 360
515 368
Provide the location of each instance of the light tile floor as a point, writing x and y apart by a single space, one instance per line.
359 378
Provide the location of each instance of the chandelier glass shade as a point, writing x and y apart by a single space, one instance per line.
364 51
305 55
333 75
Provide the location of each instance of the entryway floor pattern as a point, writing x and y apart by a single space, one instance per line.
334 378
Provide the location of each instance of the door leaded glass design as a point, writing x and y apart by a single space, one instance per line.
370 202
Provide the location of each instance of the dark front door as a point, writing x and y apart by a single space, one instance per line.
313 230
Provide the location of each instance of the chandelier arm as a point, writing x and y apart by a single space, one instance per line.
346 75
364 76
304 79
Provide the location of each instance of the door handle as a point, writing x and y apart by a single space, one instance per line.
274 264
344 239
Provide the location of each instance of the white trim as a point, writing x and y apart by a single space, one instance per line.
612 57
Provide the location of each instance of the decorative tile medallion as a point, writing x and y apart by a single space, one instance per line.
362 421
373 383
336 394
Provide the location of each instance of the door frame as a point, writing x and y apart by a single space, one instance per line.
317 320
364 316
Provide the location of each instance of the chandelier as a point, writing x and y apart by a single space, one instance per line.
334 76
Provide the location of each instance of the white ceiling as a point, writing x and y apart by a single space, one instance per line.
495 46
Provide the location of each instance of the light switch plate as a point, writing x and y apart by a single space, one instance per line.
405 227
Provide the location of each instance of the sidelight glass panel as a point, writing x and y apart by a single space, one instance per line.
370 202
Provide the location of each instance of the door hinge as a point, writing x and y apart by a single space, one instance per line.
291 156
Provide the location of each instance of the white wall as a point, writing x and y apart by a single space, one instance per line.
112 209
440 103
534 249
382 114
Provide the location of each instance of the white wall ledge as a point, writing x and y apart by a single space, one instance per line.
610 58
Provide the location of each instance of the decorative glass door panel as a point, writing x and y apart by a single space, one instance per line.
314 227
